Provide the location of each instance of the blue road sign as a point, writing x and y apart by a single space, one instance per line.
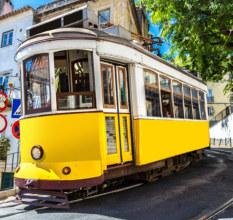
16 108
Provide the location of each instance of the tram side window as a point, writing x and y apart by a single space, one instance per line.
178 100
187 103
74 80
37 84
166 97
196 112
202 105
152 94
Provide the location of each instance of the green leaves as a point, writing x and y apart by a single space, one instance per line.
200 32
4 147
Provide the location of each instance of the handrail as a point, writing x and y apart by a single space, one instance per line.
13 163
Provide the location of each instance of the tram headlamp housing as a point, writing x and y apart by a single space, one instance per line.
37 152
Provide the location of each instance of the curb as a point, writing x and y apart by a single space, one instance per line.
7 193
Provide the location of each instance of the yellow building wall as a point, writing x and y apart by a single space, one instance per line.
74 140
121 13
160 139
219 95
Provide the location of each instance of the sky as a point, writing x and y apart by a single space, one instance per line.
154 29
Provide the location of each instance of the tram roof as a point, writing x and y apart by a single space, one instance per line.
94 34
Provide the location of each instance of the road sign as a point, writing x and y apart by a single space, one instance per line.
16 108
3 123
15 130
3 101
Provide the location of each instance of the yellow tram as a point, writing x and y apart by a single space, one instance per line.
98 107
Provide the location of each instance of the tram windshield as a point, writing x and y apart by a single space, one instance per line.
74 80
37 84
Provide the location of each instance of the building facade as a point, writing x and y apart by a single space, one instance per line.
13 27
220 112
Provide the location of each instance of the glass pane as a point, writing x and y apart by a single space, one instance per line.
4 40
80 77
108 86
150 79
194 93
104 16
196 113
177 87
37 84
188 109
111 135
152 94
125 134
178 107
202 105
165 83
202 96
75 88
10 38
202 109
75 101
123 87
166 104
187 91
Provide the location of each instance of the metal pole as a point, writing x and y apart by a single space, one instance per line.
12 162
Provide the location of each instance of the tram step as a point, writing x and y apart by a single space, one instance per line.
41 198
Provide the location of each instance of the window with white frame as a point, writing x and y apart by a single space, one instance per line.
7 38
152 94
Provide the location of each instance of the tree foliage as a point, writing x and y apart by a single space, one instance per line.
200 33
4 147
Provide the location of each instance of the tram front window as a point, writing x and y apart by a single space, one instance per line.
74 80
37 84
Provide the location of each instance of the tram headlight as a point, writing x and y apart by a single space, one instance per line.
37 152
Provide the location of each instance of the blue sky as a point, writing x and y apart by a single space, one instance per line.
33 3
154 29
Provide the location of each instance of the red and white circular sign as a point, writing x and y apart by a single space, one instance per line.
3 123
3 101
15 130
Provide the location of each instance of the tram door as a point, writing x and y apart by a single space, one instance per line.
117 113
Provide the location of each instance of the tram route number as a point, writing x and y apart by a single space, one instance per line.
16 130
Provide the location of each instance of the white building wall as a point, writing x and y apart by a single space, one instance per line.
223 129
8 67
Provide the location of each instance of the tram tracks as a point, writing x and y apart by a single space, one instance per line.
218 210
